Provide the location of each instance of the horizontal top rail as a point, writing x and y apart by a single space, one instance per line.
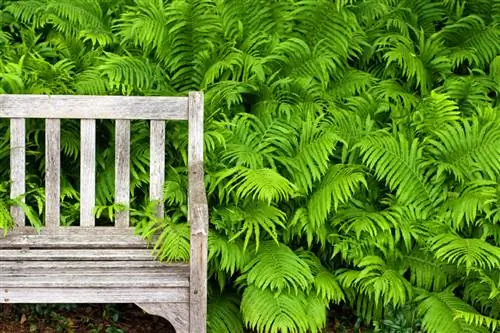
94 107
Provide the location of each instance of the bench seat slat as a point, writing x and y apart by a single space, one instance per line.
62 242
93 295
29 265
164 272
79 280
73 254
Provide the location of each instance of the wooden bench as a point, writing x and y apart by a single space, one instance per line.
92 264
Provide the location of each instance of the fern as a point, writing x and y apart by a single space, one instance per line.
277 268
469 252
440 313
351 147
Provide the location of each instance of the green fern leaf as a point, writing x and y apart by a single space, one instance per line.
278 268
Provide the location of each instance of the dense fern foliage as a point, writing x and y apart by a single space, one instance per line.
352 146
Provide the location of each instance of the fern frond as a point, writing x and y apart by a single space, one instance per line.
462 148
472 32
399 163
257 216
277 268
478 320
435 111
380 282
366 223
470 252
426 272
313 148
473 201
439 313
265 311
128 74
173 242
230 255
262 184
337 187
224 315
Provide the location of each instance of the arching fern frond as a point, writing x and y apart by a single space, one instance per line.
265 311
439 313
380 282
478 320
474 201
469 252
277 268
433 112
399 163
426 272
337 187
260 184
230 255
224 315
462 148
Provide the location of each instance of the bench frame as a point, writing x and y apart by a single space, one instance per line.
185 316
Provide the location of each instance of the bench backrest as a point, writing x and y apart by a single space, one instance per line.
122 109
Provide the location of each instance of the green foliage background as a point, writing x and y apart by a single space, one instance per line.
352 147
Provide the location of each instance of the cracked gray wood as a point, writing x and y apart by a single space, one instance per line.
52 172
198 217
87 172
17 167
122 171
176 313
157 165
93 107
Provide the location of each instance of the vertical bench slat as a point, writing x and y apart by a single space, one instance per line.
17 166
198 217
157 164
87 172
52 172
122 170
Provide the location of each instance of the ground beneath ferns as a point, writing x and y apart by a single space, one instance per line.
79 319
98 318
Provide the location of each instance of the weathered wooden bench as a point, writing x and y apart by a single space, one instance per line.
92 264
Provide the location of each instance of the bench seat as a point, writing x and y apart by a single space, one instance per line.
78 265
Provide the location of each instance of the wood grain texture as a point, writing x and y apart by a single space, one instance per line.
157 165
52 172
176 313
95 239
84 280
198 216
93 107
87 172
122 171
93 295
73 230
76 254
103 266
17 167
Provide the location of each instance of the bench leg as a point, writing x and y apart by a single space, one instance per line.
176 313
